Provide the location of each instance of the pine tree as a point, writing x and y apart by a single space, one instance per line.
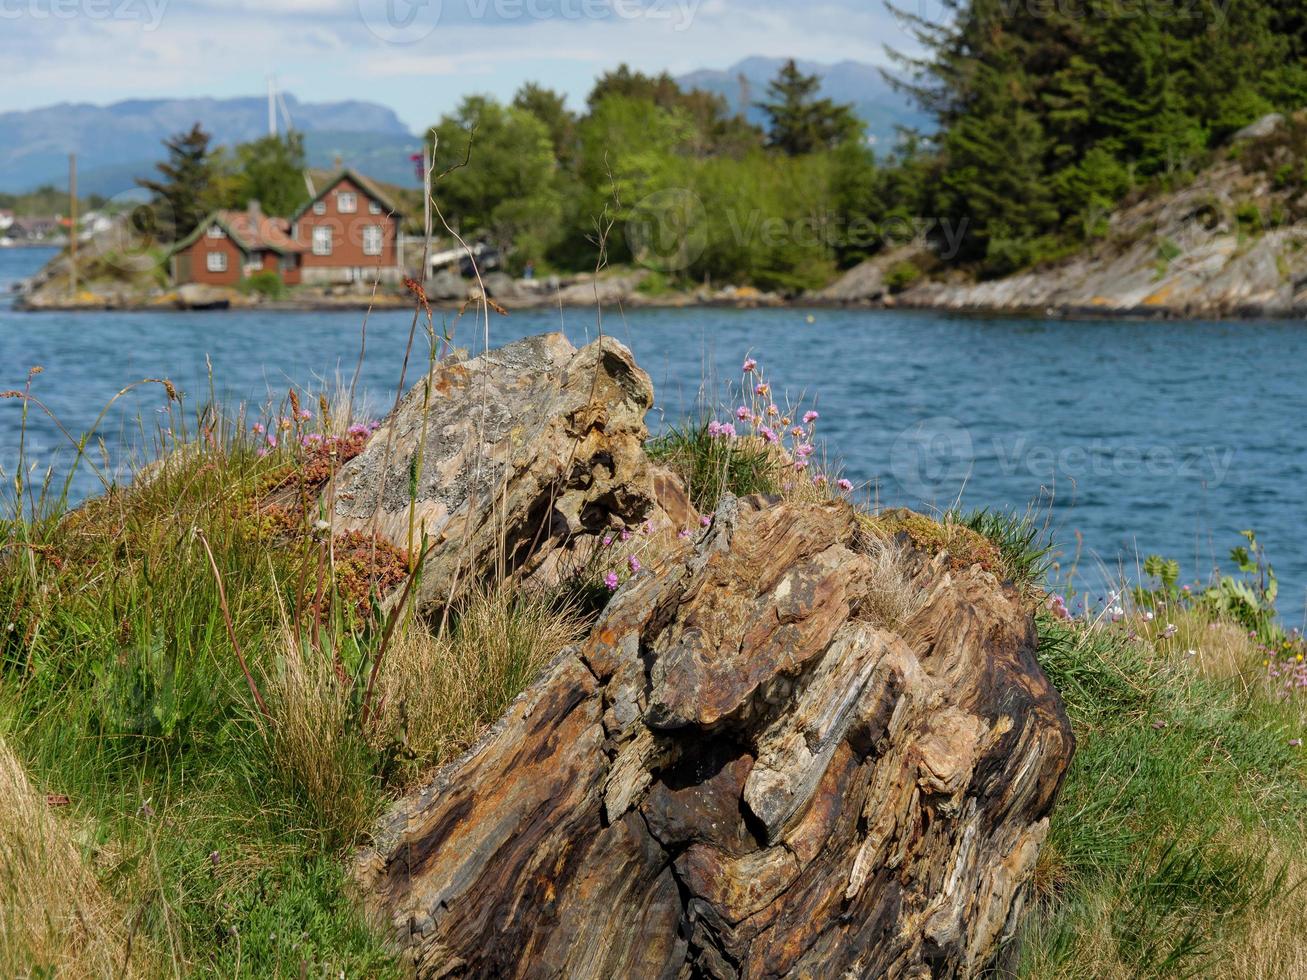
183 196
802 123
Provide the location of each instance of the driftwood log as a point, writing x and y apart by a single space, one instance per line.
746 771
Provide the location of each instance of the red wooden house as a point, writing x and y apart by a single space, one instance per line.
229 246
349 232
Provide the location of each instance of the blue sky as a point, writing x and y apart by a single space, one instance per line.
416 56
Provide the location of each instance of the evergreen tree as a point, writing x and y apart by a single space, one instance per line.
800 121
184 193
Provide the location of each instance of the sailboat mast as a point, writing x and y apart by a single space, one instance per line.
272 106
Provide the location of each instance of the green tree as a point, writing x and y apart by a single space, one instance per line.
507 194
271 171
801 122
184 192
550 108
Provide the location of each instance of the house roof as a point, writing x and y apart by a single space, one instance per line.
363 183
251 231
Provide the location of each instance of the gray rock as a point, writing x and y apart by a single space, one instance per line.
513 454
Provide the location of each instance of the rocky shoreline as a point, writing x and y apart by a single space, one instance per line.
1227 246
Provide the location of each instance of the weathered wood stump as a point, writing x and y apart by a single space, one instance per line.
743 773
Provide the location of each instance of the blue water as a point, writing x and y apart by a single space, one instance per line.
1136 437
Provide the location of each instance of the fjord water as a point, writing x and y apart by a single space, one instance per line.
1133 437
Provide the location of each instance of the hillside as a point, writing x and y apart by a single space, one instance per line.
873 98
118 142
1227 243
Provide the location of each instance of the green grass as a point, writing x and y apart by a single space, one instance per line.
224 836
1176 827
1025 550
711 468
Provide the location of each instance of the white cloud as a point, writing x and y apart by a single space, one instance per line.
324 50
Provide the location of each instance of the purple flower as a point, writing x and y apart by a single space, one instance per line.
610 580
259 429
767 434
727 431
804 450
634 562
705 521
1295 742
749 365
810 417
845 485
743 414
714 428
683 534
625 535
608 539
762 390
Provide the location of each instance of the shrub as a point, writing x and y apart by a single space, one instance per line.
266 283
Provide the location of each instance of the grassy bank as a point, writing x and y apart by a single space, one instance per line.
192 743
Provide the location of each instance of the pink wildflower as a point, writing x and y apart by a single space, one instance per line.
743 414
634 562
845 485
810 417
625 535
705 521
767 434
804 449
683 534
749 365
727 431
762 390
608 539
610 580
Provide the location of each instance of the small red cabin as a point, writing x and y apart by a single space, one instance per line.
349 232
229 246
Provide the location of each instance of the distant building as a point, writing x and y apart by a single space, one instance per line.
34 229
349 232
229 246
6 220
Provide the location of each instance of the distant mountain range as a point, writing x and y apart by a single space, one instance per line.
119 142
863 85
116 143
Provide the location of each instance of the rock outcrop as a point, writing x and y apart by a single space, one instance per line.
1223 246
495 463
746 769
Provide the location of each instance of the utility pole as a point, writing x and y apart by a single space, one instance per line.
72 222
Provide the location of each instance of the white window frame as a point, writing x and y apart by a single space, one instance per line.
377 234
216 261
373 207
323 239
347 202
215 231
319 207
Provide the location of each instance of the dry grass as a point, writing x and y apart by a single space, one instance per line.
891 596
316 753
440 689
55 917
